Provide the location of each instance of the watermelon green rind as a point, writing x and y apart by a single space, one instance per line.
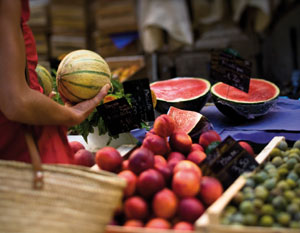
241 110
193 103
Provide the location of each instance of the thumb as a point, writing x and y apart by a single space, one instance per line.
103 92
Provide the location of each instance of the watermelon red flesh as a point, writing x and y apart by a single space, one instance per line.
184 120
259 91
180 89
190 122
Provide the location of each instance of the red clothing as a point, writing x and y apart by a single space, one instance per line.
52 140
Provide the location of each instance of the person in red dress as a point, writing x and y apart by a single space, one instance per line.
23 104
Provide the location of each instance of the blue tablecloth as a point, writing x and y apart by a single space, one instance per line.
282 120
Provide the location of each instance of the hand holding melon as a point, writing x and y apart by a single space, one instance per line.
81 75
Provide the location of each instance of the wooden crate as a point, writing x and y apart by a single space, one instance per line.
115 16
38 14
120 229
210 220
64 44
108 49
125 61
126 68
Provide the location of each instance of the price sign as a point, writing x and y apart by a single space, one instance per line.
118 116
228 161
141 98
215 154
230 69
243 163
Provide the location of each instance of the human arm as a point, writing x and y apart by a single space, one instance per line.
18 101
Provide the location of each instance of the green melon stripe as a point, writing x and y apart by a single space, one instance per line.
86 71
47 74
41 83
89 59
81 85
71 92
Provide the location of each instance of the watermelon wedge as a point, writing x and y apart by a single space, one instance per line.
190 122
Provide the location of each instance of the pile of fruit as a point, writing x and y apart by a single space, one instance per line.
271 196
165 185
123 73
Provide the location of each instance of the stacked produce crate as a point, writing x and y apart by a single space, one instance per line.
68 26
39 23
113 18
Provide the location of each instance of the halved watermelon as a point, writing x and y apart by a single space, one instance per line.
236 104
190 122
184 93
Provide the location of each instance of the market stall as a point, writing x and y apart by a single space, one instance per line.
181 123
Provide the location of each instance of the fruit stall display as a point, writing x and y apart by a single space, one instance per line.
166 188
266 200
193 93
162 189
169 182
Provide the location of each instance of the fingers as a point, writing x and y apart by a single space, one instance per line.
103 92
66 101
84 108
90 104
105 89
52 94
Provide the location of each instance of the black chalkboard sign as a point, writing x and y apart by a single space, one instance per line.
141 98
230 69
243 163
228 161
208 164
118 116
226 158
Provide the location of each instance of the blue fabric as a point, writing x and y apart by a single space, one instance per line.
139 134
282 120
121 40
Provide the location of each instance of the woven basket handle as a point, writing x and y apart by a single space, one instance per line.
35 159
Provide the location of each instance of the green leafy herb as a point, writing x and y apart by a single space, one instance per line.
56 96
94 120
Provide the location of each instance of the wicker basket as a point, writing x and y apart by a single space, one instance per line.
56 199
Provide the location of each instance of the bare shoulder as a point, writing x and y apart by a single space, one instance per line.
10 11
12 51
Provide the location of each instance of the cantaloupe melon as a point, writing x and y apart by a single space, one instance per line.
44 78
81 74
